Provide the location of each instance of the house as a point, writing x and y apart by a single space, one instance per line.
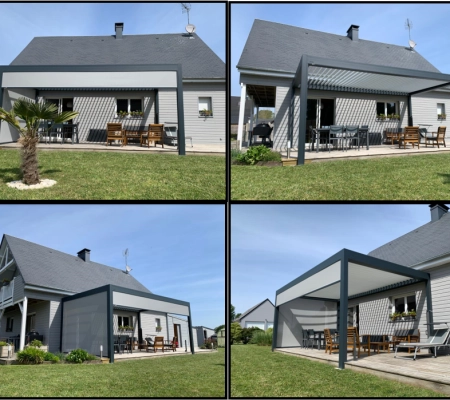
202 333
260 316
409 273
350 81
171 79
74 302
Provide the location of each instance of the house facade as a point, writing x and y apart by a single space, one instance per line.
259 316
74 302
203 333
350 81
408 275
170 79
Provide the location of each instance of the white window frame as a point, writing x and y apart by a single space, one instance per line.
209 107
123 323
158 323
32 317
440 108
9 324
129 104
397 107
405 298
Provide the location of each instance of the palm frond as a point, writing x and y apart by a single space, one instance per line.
65 116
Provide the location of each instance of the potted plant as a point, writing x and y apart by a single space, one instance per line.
442 116
126 328
395 315
4 349
37 344
396 117
412 314
206 113
122 114
158 328
381 117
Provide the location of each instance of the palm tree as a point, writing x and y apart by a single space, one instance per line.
32 114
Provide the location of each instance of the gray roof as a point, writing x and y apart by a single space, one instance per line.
422 244
43 266
251 309
197 59
278 47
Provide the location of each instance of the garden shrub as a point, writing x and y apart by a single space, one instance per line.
208 344
35 343
262 338
247 334
61 356
258 153
51 357
31 355
235 332
3 343
77 356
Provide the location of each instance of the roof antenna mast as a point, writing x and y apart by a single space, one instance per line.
190 28
127 268
409 25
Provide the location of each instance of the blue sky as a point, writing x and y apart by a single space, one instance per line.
20 22
383 22
273 244
174 250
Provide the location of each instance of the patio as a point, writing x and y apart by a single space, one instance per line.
426 371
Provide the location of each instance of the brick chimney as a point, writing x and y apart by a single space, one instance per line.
85 255
437 211
119 30
353 32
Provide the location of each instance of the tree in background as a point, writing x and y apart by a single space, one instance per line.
217 329
265 114
235 332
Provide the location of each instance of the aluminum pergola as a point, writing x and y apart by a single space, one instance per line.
343 275
87 317
327 74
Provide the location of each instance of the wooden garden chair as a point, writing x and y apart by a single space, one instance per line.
115 132
439 138
410 135
329 344
158 343
155 134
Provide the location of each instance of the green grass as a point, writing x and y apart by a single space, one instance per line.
117 176
257 372
198 375
421 177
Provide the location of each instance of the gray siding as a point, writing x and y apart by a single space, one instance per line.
440 284
17 316
133 321
19 291
198 334
264 313
374 312
424 107
184 331
97 108
167 106
205 129
148 323
54 329
34 294
281 126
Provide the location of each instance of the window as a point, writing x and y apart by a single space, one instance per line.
9 324
404 303
205 107
158 322
30 324
132 107
441 110
123 321
386 108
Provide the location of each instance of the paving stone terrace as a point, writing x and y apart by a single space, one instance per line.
426 371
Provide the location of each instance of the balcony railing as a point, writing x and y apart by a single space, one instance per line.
6 294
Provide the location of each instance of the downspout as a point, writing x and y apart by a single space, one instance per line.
109 324
156 106
180 113
302 113
1 89
343 311
191 339
429 307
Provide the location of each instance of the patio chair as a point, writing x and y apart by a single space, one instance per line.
155 134
118 344
56 131
352 134
171 136
391 135
438 338
115 132
159 343
336 136
439 138
172 344
409 135
330 344
305 339
312 137
68 131
354 342
150 344
406 335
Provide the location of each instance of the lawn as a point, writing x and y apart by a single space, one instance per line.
257 372
89 175
418 177
198 375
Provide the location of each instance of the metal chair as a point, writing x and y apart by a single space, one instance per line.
352 134
336 136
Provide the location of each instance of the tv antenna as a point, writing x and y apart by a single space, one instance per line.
127 268
186 7
409 25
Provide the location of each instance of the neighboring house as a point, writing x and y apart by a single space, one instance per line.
75 302
203 333
408 273
174 79
260 316
351 81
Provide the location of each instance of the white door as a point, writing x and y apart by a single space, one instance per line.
258 324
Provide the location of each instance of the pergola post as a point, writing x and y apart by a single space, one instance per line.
275 328
429 307
1 89
24 309
191 339
343 305
302 113
180 114
410 117
241 114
